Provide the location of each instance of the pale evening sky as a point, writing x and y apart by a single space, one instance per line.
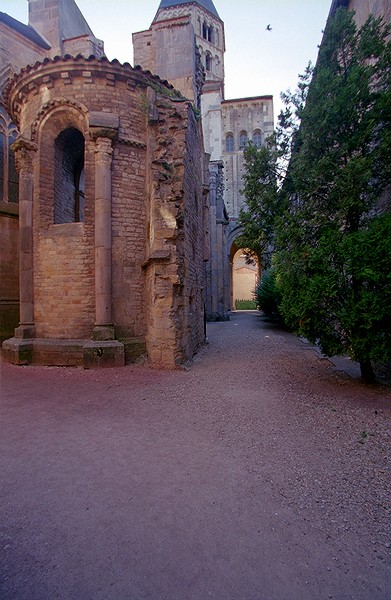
257 62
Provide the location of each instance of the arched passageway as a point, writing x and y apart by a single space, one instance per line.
245 273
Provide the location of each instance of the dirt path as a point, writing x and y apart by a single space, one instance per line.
258 474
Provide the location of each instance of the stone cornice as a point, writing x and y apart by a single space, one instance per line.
67 68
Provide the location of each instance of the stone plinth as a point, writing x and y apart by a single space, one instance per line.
18 351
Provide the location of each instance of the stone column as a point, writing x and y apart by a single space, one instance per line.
103 350
24 154
103 329
19 349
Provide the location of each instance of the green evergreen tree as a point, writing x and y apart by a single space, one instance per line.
333 251
262 202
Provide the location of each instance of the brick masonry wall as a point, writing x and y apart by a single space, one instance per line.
63 253
157 206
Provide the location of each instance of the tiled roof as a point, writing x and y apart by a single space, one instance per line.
26 30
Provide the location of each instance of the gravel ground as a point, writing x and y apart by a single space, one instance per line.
259 473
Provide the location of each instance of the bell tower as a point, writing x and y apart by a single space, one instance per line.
185 45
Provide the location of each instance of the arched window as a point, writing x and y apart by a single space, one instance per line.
208 61
243 139
207 32
229 142
257 138
9 180
69 177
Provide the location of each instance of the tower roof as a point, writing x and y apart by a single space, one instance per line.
207 4
72 20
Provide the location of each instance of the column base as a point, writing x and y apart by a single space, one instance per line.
103 333
102 354
25 332
18 351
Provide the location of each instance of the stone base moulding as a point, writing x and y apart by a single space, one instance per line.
64 353
18 351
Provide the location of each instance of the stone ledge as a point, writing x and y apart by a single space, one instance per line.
9 209
64 352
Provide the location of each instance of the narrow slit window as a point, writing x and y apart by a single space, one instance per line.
69 177
208 61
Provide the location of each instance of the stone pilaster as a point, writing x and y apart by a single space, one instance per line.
104 329
18 350
24 154
103 350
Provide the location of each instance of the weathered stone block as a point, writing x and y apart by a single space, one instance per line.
18 351
103 354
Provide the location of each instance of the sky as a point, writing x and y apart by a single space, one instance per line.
257 62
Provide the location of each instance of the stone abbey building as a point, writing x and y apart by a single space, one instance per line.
118 203
185 44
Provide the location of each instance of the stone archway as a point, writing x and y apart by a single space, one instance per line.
245 273
249 273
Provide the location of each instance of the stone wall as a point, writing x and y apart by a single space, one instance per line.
363 8
174 267
63 25
168 49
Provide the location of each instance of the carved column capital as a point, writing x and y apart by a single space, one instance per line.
108 133
24 151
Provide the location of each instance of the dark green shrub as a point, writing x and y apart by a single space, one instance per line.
268 295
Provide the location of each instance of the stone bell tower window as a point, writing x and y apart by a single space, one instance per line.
257 138
229 142
207 33
69 177
243 139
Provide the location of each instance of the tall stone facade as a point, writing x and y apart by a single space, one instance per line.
228 125
364 8
244 120
112 209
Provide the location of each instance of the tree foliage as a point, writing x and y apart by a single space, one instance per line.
268 295
262 201
332 247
